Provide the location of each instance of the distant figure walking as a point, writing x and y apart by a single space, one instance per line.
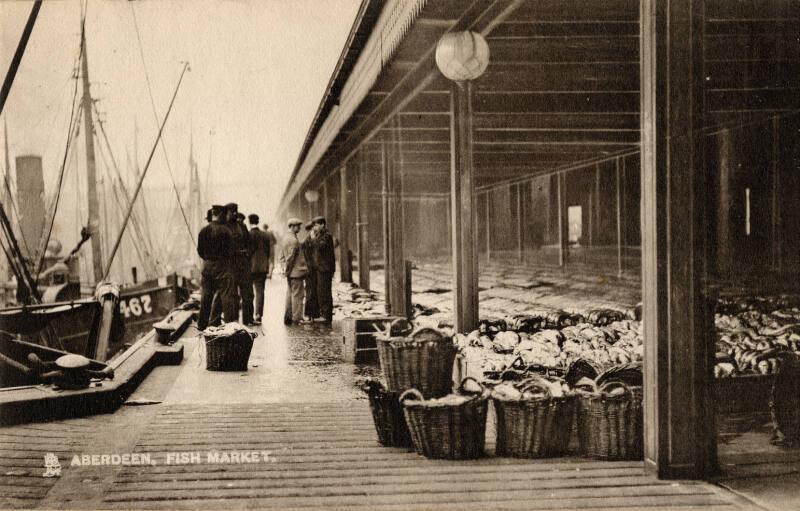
295 268
214 247
324 263
312 304
273 248
259 264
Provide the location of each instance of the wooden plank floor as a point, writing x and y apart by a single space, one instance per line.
22 450
326 455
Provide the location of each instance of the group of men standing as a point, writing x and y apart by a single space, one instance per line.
309 266
236 264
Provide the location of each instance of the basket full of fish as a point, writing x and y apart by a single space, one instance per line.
534 417
228 347
419 359
449 427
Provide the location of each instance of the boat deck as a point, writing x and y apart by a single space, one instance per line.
301 410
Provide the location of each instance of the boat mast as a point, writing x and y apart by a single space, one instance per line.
91 171
5 185
5 190
195 207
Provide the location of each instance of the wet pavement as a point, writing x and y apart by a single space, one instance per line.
298 363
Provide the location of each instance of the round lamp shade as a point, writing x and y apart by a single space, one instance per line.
312 195
462 56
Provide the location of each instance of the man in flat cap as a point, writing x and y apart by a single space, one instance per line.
312 304
296 269
324 263
214 247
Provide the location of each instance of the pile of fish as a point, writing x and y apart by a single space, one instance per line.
756 334
554 340
350 301
753 336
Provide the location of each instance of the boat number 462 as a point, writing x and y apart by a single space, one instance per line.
136 306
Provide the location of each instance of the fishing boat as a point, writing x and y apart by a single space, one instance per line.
52 308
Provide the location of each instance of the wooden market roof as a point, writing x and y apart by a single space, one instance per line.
562 88
364 23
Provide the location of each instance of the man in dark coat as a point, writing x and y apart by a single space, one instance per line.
240 261
214 246
324 262
312 305
259 264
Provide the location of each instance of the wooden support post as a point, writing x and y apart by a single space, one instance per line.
323 197
520 232
590 218
362 224
488 213
624 208
463 226
408 268
397 302
563 228
385 215
723 246
596 203
678 412
619 216
777 223
345 221
449 224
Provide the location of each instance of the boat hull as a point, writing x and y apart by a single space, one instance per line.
68 326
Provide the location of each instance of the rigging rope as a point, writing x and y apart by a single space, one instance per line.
155 117
17 253
7 181
142 233
42 248
144 172
123 201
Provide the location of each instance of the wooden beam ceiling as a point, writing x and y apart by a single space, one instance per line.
563 83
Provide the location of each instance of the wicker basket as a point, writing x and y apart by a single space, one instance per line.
387 414
423 361
534 428
610 427
228 351
444 431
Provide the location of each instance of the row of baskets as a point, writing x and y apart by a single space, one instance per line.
417 409
604 425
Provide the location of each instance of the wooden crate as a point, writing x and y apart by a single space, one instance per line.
359 337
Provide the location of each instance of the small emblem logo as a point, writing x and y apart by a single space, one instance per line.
51 465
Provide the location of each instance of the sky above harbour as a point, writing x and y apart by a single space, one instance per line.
258 71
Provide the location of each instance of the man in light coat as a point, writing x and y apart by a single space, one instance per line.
295 267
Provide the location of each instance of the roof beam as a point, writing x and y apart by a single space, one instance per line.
481 15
